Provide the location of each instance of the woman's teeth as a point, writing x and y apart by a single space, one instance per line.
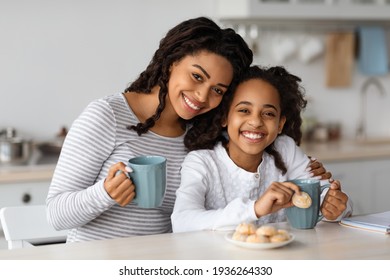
190 104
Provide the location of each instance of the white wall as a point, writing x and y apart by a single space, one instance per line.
57 56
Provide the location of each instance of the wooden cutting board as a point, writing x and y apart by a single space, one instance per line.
339 59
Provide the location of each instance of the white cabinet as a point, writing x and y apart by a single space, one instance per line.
15 194
317 15
23 193
366 182
346 10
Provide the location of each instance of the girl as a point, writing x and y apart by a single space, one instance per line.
242 178
187 77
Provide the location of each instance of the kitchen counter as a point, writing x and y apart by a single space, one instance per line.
347 150
327 241
38 168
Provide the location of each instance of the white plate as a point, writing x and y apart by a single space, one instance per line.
250 245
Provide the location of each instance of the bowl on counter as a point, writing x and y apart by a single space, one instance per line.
49 147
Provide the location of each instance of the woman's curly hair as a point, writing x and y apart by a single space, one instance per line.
188 38
292 102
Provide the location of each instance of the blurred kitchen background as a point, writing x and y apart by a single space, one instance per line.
57 56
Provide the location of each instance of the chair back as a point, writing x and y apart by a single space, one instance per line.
26 226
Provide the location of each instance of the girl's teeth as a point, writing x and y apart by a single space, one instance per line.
252 135
190 104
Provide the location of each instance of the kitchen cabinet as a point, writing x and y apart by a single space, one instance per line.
26 184
319 13
23 193
366 182
362 168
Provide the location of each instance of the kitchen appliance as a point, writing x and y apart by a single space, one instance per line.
13 149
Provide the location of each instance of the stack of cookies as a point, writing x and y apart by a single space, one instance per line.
247 232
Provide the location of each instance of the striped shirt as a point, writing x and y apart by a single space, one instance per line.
98 139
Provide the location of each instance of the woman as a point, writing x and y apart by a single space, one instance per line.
187 77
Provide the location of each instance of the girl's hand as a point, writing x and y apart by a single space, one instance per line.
317 170
119 186
335 201
277 196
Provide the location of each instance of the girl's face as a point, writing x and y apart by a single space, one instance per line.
197 83
254 119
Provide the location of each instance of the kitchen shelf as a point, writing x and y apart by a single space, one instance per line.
305 14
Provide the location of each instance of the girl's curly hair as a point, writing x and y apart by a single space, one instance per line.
188 38
292 102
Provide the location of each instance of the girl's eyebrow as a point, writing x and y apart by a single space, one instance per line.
207 74
270 106
249 103
243 103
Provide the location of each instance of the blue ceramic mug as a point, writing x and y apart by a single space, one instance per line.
307 218
149 178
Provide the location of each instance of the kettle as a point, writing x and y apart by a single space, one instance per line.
13 149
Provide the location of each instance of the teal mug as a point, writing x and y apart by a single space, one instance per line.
307 218
149 178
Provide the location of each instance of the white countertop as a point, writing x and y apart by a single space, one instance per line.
27 174
327 241
38 168
346 150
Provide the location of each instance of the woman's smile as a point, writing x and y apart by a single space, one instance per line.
192 103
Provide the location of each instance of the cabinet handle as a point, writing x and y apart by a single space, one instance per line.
26 198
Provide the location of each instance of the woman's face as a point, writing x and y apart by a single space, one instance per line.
254 119
198 82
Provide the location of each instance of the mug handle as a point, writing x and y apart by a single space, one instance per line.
129 176
320 216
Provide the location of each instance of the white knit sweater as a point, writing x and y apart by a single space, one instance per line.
215 193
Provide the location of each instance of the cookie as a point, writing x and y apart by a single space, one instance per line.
266 230
301 201
254 238
239 237
283 232
245 228
279 238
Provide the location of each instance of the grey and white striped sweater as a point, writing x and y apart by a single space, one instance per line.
97 139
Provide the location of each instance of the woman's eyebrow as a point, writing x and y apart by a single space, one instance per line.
207 74
202 69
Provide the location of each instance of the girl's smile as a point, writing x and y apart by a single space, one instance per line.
253 136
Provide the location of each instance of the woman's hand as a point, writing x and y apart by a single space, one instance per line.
335 201
277 196
317 170
119 186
